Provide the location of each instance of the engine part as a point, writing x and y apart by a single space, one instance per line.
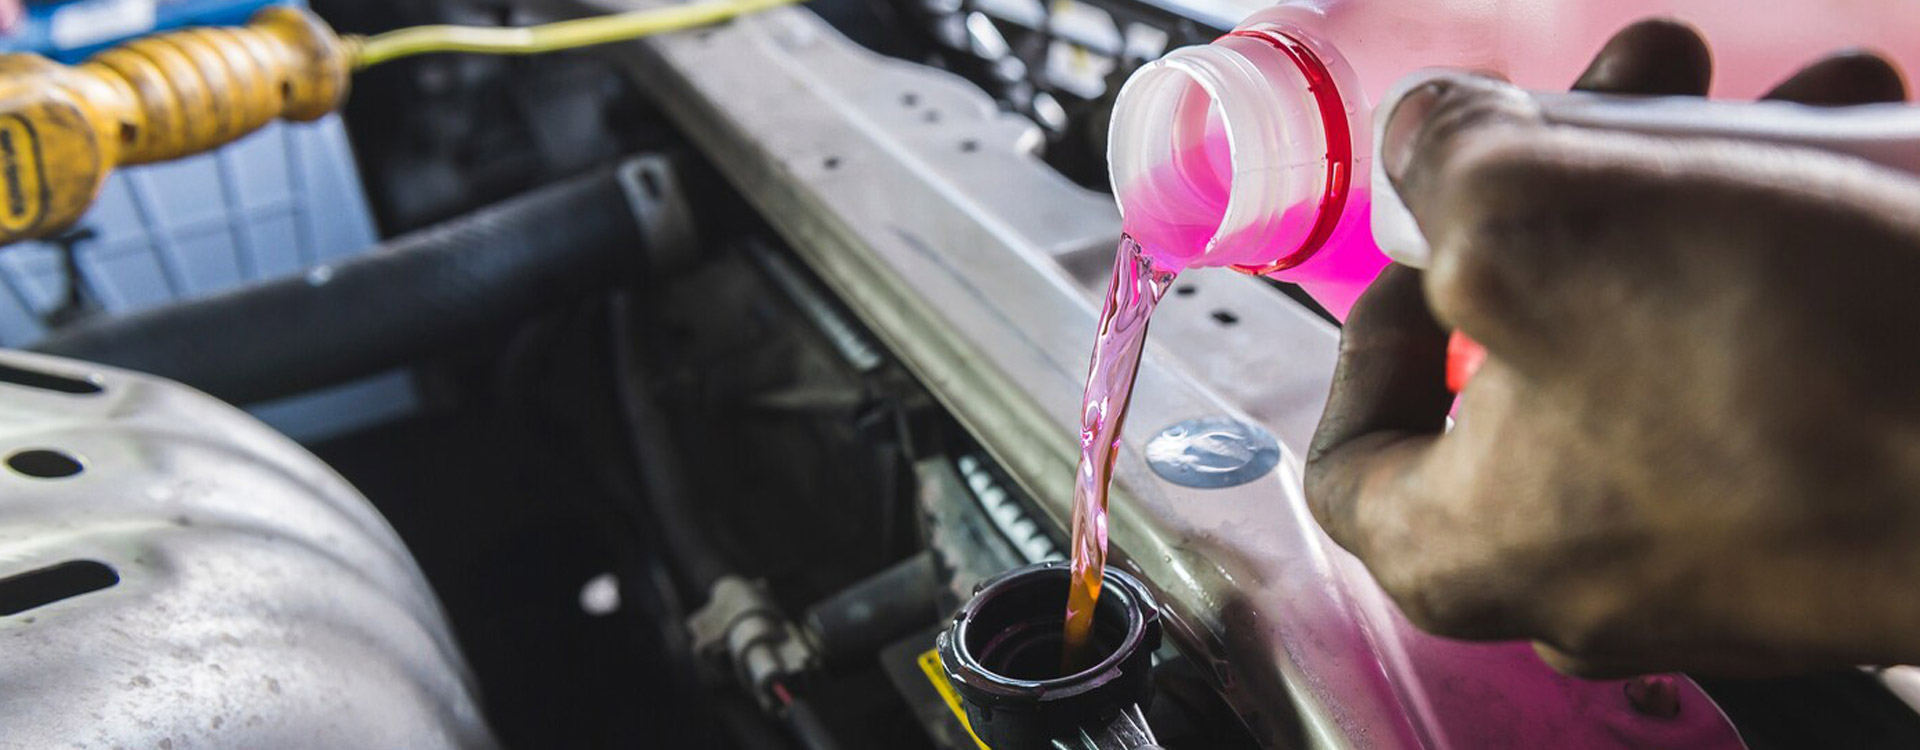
1186 712
1128 731
853 344
1003 654
662 208
668 497
742 625
913 668
808 728
1008 509
175 574
380 308
976 524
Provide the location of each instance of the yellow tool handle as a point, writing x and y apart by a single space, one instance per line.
188 91
62 129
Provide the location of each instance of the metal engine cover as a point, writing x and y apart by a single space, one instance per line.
174 574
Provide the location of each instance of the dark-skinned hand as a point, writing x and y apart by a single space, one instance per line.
1695 442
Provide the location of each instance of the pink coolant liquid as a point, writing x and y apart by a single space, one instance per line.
1137 286
1347 262
1179 206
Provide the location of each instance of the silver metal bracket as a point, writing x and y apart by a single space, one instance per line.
660 207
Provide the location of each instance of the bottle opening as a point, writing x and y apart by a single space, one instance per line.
1176 176
1237 153
1172 163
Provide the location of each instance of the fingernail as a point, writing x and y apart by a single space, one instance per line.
1399 140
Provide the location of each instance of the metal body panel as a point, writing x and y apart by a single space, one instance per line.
261 601
924 209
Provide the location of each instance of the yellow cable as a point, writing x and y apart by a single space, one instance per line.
584 32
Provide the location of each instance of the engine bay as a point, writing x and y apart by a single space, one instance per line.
734 363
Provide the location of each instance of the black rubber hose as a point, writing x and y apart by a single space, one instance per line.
856 623
381 308
670 500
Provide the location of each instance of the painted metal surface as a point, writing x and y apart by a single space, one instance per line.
1213 452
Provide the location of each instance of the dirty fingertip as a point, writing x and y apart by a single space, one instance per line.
1850 77
1656 57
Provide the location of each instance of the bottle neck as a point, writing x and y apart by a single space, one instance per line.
1336 139
1238 153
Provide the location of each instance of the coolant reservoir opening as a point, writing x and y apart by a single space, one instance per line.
1019 636
1010 635
1003 656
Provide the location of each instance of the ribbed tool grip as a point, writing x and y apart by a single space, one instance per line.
193 90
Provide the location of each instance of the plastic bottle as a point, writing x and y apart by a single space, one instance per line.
1255 152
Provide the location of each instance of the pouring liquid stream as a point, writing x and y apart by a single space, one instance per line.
1137 286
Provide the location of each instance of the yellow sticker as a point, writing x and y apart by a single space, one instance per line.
930 664
22 185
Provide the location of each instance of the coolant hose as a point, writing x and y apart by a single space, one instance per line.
382 308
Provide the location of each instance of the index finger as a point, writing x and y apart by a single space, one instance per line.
1388 404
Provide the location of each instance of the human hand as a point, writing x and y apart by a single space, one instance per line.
1695 443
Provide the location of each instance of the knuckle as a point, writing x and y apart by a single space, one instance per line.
1319 480
1471 590
1419 603
1471 111
1321 491
1448 605
1507 219
1589 669
1467 284
1571 634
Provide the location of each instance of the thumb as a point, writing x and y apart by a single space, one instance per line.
1437 120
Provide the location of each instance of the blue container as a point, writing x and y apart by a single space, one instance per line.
70 30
